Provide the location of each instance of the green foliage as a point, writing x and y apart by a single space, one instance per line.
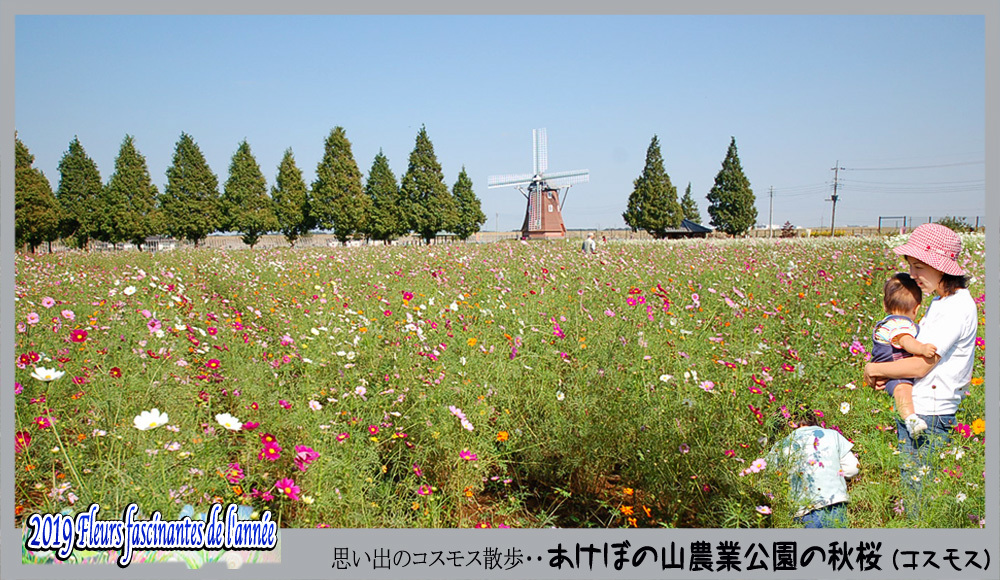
190 202
246 208
388 217
338 200
430 205
470 211
291 199
79 195
731 201
129 198
653 204
590 403
956 224
36 210
689 207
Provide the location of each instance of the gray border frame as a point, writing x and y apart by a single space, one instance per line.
307 553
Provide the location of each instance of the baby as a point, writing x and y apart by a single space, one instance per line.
894 337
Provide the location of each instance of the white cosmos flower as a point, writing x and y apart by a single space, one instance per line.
560 395
845 407
129 290
960 497
665 378
46 375
229 422
149 419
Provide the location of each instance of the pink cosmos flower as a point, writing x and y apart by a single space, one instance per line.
373 430
234 473
271 451
285 404
407 296
304 456
32 318
287 487
78 335
48 302
964 430
467 455
68 315
286 340
43 422
153 325
22 439
424 490
341 437
707 385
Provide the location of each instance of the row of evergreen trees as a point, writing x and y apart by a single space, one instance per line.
129 207
653 204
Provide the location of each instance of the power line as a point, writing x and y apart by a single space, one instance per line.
915 166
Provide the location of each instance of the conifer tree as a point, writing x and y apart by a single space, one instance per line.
190 202
731 201
689 207
246 208
79 196
470 211
291 199
129 198
338 200
653 204
430 206
388 217
36 210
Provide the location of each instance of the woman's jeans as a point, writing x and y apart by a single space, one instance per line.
918 457
831 516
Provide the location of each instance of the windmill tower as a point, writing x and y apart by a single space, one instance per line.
543 216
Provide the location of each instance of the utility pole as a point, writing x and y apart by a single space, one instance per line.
833 198
770 212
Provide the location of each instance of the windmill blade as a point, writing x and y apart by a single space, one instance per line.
540 148
509 179
565 178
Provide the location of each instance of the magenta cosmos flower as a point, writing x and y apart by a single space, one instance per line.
78 335
287 487
467 455
234 473
271 451
304 456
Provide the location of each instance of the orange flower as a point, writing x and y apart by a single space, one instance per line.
628 510
977 381
632 522
472 341
628 491
503 436
978 426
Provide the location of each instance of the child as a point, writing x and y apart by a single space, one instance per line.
894 337
818 462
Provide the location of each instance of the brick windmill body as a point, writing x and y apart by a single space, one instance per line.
543 214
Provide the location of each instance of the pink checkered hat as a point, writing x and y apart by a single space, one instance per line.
935 245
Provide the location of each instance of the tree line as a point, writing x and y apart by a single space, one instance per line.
129 207
653 205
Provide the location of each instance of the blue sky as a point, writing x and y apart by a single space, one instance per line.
898 101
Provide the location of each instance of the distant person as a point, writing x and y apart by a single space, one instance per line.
894 337
589 245
950 324
818 462
604 239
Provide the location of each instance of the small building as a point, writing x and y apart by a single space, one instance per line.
688 229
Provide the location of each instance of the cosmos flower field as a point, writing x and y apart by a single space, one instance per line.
465 385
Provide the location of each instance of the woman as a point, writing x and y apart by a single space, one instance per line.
949 323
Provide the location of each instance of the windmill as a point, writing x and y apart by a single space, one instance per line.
543 216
